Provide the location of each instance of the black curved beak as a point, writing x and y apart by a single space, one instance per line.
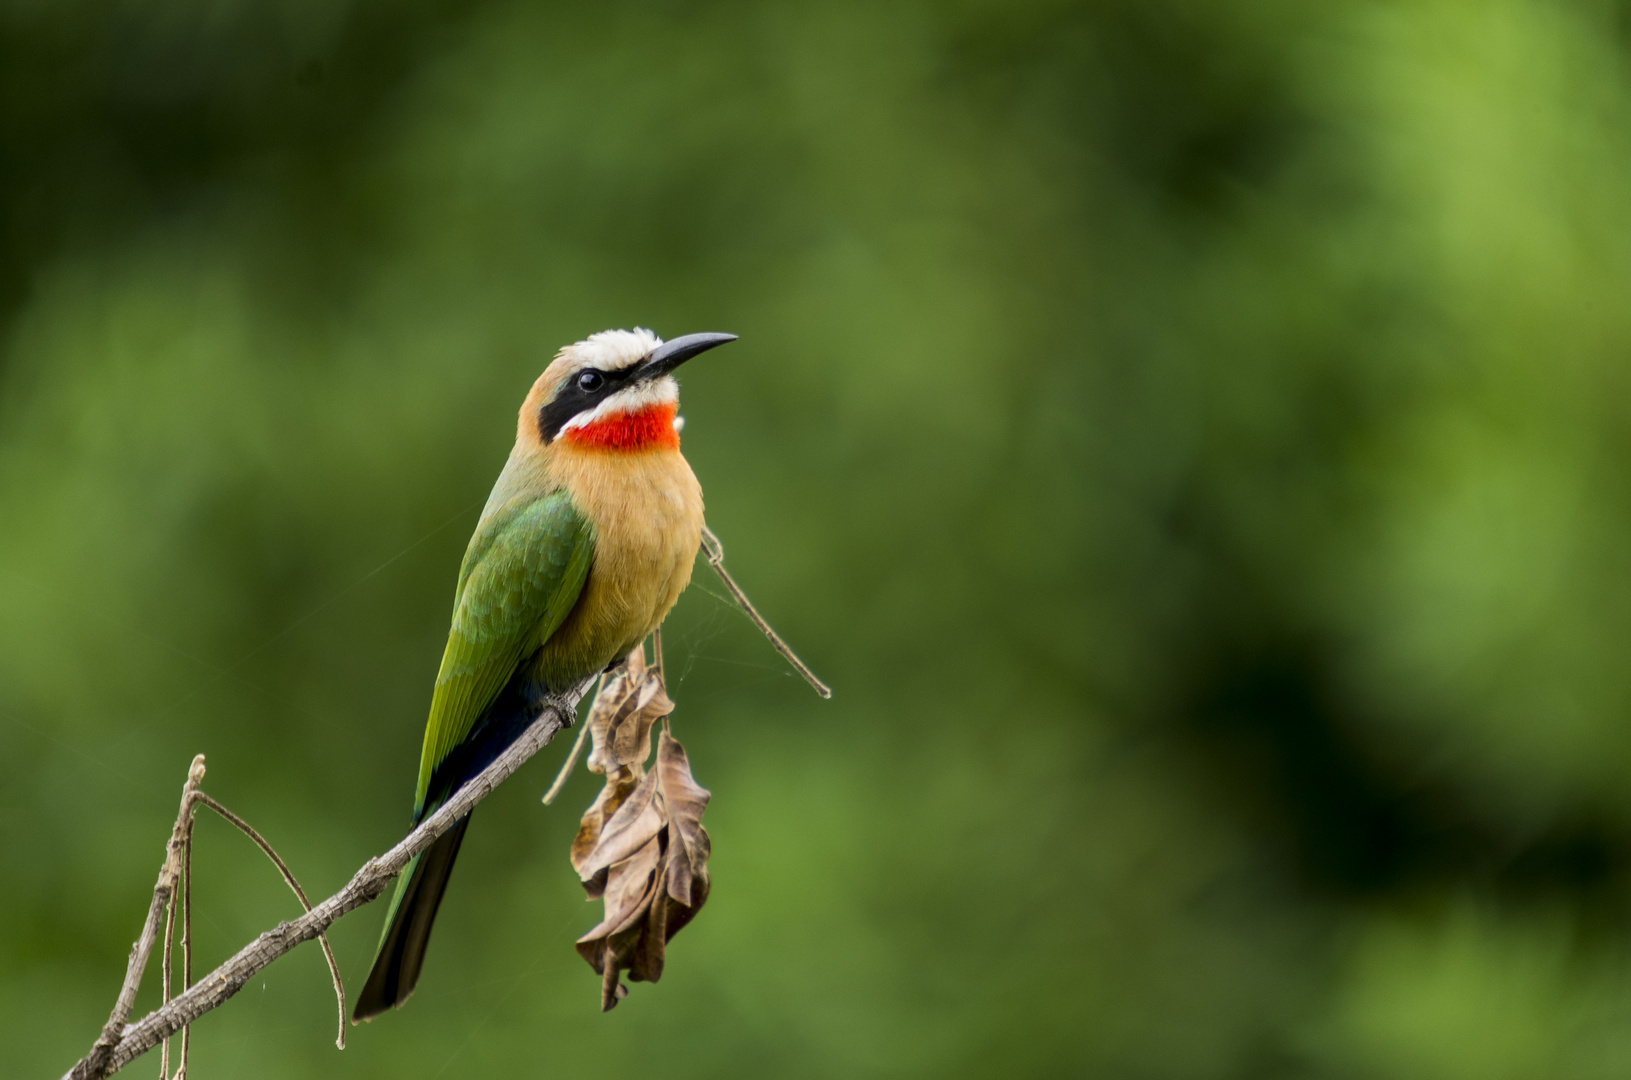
671 354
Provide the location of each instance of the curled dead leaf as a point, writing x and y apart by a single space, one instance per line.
620 719
685 800
641 848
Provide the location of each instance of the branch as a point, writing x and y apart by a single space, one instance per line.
119 1045
714 551
98 1062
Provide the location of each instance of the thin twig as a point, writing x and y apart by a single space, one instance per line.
105 1051
164 982
572 754
186 937
715 553
300 894
365 885
657 652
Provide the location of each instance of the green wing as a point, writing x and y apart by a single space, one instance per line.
521 575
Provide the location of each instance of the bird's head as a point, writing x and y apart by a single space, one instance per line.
613 390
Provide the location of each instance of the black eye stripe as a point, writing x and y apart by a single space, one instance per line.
572 398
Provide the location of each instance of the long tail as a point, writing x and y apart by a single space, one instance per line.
419 891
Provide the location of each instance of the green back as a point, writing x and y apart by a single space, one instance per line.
521 576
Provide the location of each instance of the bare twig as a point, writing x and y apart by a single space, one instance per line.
715 552
164 984
186 936
300 894
572 754
100 1061
657 652
119 1044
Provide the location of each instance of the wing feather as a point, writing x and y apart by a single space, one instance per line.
521 576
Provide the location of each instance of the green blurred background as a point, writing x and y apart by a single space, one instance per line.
1192 438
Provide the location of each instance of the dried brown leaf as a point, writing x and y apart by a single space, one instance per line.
679 914
641 849
629 890
611 798
620 720
618 688
637 822
629 702
684 800
630 733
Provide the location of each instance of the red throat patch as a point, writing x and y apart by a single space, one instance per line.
648 429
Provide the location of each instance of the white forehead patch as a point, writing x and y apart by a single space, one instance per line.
614 350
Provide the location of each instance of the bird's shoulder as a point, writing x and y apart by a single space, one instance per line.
519 552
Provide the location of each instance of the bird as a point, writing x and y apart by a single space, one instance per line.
584 545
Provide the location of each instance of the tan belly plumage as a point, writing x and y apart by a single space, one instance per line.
646 511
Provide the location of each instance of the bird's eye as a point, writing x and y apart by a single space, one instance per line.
590 381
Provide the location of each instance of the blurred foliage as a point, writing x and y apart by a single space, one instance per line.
1191 438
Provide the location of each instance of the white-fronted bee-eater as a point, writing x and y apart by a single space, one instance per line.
585 544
